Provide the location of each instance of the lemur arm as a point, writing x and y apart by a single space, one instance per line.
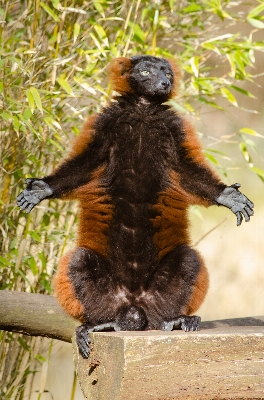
198 178
89 151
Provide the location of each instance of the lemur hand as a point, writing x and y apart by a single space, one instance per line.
35 191
239 204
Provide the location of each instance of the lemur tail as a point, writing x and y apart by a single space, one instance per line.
132 318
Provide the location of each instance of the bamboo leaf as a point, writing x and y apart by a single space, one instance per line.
37 99
194 61
256 11
76 31
65 85
49 11
244 151
243 91
229 96
4 261
56 144
33 265
250 131
256 23
211 158
258 171
35 236
30 100
99 8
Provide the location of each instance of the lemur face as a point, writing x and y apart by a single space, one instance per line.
151 76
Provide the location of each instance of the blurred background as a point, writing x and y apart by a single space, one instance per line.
53 61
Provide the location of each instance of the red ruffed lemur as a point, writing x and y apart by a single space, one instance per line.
135 169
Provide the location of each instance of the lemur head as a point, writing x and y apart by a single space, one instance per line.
147 76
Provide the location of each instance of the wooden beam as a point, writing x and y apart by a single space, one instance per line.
224 360
35 315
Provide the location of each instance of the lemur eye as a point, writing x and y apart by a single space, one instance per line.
144 73
169 76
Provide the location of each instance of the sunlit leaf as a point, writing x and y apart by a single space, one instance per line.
256 23
65 85
33 265
35 236
6 116
250 131
256 11
4 261
99 7
194 61
229 96
244 151
30 99
49 11
37 100
56 144
211 158
76 31
191 8
56 4
258 171
243 91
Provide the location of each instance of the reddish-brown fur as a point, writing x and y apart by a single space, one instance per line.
85 137
199 290
177 76
64 290
172 220
95 214
118 74
194 148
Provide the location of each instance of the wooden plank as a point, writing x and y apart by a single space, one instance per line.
224 360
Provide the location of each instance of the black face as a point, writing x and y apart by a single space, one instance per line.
151 76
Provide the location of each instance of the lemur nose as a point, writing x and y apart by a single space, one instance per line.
165 84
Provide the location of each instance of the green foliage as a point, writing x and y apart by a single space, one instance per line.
53 61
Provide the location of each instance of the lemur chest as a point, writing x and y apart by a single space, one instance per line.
142 144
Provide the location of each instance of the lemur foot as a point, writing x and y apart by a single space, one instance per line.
82 335
184 322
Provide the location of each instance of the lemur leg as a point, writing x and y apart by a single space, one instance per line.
85 289
177 290
129 318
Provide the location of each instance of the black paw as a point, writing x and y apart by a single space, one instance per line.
238 203
184 322
35 191
83 341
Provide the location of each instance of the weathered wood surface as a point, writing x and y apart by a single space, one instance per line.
36 315
224 360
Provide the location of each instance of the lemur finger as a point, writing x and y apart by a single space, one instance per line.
22 201
29 208
24 205
249 203
20 196
239 218
246 216
248 210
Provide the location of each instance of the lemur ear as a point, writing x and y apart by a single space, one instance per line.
177 77
119 71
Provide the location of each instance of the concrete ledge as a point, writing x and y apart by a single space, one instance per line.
224 360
